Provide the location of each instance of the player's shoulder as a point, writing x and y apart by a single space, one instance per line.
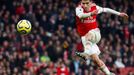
79 7
93 4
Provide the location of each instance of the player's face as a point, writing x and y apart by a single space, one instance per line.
86 4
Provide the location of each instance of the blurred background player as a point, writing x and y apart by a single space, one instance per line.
87 28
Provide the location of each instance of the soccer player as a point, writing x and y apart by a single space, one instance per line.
87 28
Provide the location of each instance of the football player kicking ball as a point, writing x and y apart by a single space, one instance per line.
87 28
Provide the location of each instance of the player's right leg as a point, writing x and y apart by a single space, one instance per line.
100 64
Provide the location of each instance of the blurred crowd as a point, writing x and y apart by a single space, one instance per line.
50 47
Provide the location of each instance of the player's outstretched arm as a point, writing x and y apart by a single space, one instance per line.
109 10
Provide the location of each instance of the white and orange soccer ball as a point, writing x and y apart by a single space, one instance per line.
24 27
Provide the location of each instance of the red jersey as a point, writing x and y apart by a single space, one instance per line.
86 24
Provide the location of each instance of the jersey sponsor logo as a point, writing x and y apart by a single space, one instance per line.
88 21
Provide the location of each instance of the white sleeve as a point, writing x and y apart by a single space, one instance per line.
107 10
80 14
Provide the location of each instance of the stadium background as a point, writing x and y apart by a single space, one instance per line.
49 48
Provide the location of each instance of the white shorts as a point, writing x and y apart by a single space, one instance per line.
90 46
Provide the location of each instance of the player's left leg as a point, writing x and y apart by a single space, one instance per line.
92 37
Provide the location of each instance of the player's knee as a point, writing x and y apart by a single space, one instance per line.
94 36
96 60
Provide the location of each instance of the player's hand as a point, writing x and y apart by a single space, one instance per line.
124 15
95 12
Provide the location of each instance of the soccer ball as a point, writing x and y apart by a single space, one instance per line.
24 27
